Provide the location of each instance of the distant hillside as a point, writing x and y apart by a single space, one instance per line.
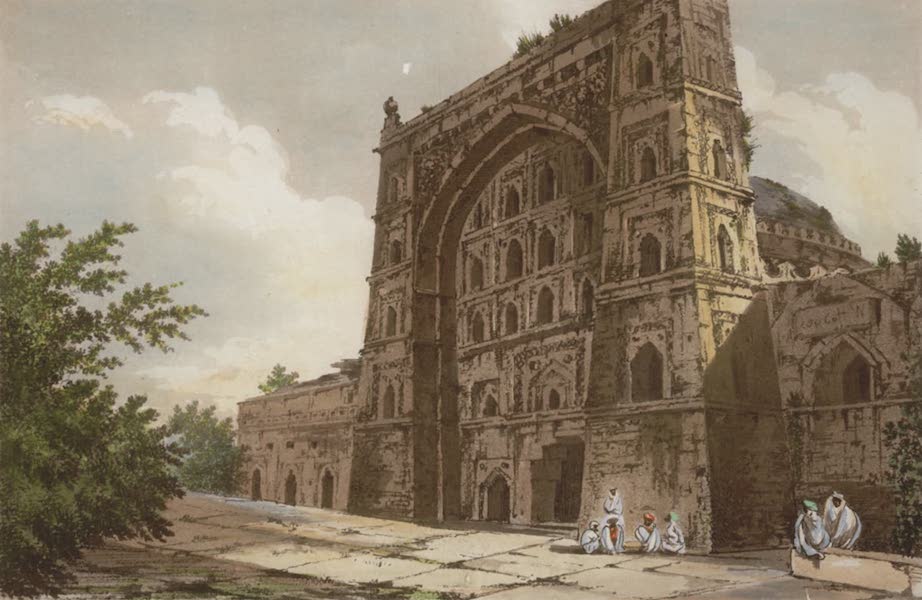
777 201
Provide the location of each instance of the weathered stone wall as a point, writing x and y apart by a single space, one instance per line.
873 319
303 432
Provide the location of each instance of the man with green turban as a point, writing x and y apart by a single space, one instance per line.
673 538
810 536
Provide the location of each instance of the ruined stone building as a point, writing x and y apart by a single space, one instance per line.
577 286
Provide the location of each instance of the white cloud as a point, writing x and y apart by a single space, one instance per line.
305 304
84 112
846 144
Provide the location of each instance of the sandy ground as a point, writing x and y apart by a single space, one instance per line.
232 548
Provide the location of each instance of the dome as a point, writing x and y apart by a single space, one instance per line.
794 229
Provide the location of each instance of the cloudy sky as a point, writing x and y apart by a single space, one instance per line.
237 136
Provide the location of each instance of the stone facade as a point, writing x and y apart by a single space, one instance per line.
574 287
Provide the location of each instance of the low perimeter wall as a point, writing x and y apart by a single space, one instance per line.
871 570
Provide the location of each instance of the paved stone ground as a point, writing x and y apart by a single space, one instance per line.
237 546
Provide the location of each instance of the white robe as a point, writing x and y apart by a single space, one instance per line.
673 539
613 520
810 537
650 541
590 541
842 524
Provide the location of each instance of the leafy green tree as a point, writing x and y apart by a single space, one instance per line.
750 144
883 259
907 249
278 378
74 466
212 462
526 42
903 439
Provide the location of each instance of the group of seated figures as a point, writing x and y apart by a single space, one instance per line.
839 527
607 533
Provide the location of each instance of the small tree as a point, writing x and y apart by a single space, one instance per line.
526 42
212 462
74 469
558 22
278 378
750 143
903 439
883 260
907 249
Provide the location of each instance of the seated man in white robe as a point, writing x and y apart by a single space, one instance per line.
613 530
841 522
810 537
648 535
591 539
673 538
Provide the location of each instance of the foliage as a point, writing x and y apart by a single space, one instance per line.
558 22
883 260
278 378
526 42
212 463
750 143
903 440
74 467
907 249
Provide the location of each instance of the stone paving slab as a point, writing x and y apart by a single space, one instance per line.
547 592
467 582
637 584
280 556
471 545
364 568
720 571
544 561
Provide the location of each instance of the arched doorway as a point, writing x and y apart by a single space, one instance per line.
497 500
326 490
515 128
256 492
291 489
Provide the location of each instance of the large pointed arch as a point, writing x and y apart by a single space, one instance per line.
511 130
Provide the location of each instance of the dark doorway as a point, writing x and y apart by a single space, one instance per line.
557 483
256 486
291 489
498 500
326 490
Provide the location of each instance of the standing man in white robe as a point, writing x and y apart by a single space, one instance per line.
613 529
841 522
648 535
810 537
673 538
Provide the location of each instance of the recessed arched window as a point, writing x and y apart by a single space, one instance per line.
390 322
547 249
490 407
588 169
647 374
476 274
644 71
844 377
511 319
396 253
710 68
514 260
647 164
553 399
478 328
650 256
588 297
545 313
388 404
724 249
547 184
720 160
392 189
513 203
